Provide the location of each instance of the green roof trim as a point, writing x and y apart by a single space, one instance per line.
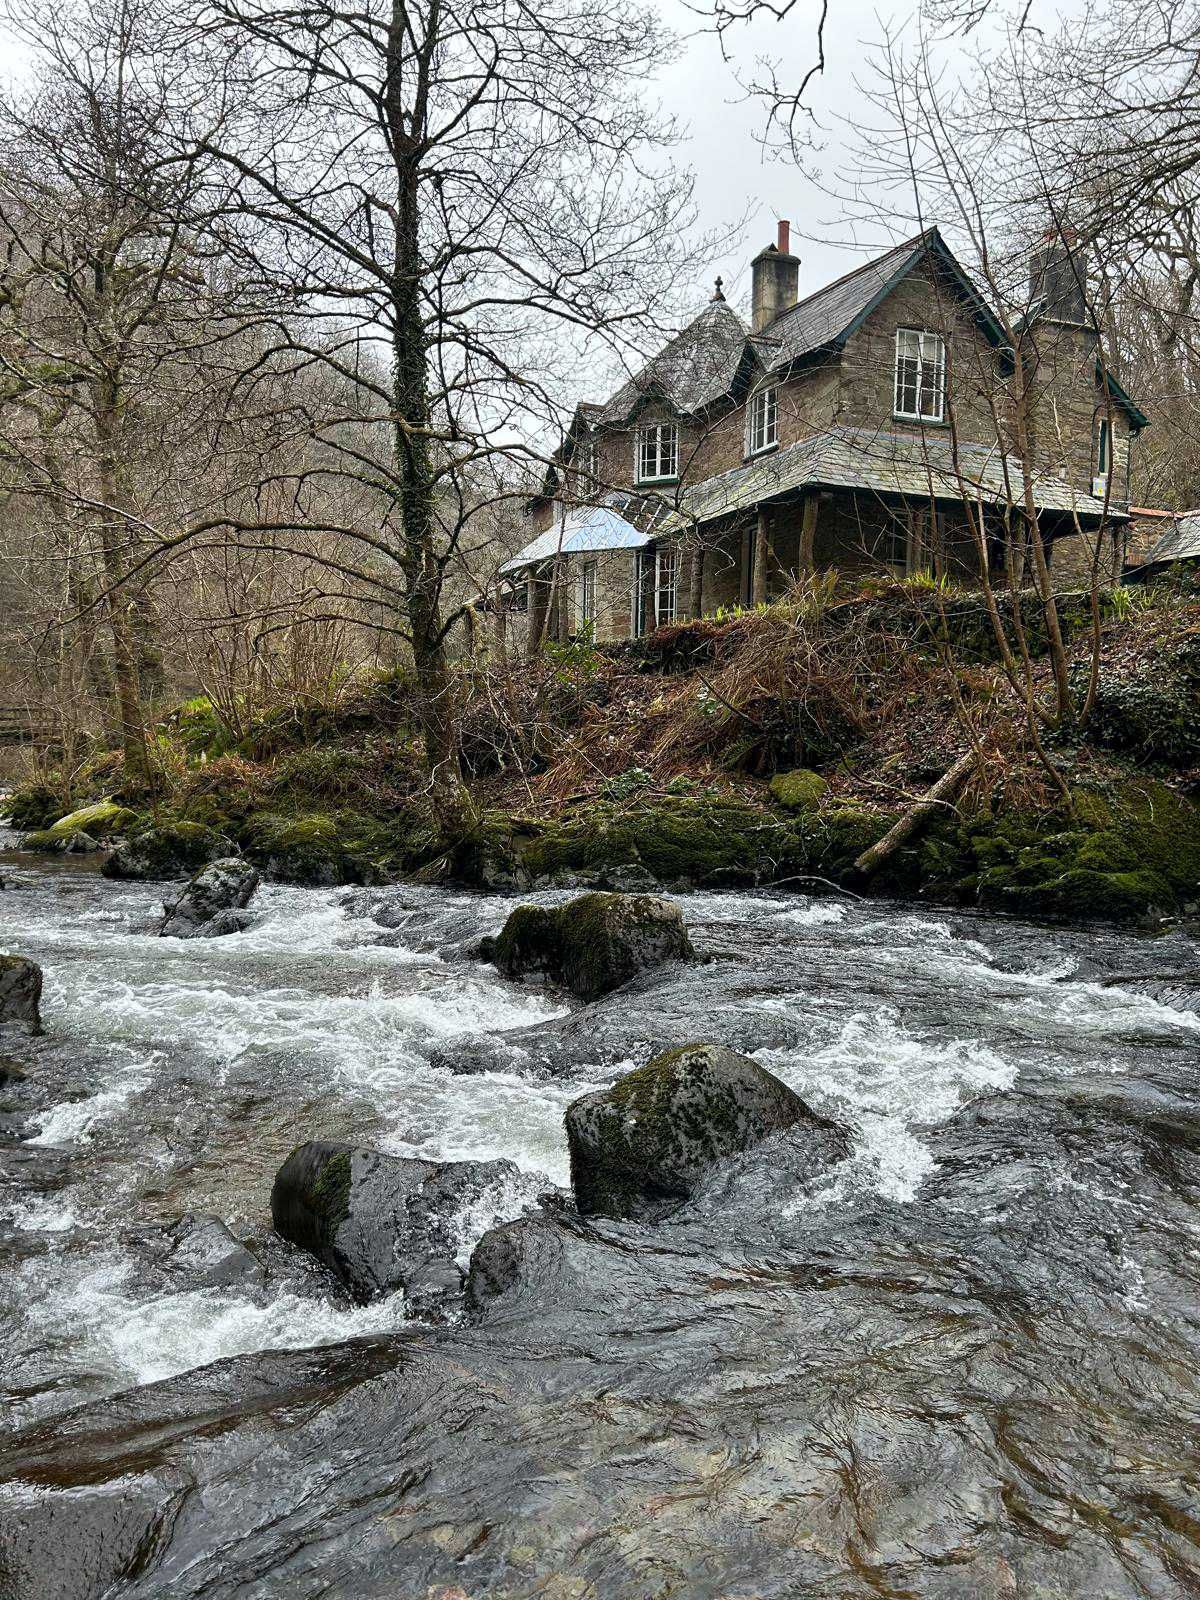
1137 417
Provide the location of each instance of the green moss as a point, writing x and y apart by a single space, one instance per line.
800 790
331 1192
1131 849
703 840
593 944
100 819
33 806
161 846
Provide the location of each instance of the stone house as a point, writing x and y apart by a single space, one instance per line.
871 426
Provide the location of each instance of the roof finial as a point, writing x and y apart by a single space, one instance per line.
717 295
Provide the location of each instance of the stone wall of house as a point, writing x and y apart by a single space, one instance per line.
1074 557
1066 404
926 301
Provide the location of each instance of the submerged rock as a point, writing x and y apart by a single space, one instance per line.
383 1222
640 1148
212 900
594 944
166 850
20 992
201 1252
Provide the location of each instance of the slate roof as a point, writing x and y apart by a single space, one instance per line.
882 463
1181 541
829 316
697 367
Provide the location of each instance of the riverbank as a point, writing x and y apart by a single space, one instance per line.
771 747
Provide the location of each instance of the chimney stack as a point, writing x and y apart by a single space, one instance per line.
1058 278
776 280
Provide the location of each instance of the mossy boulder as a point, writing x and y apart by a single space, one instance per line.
21 992
83 828
33 807
593 944
692 840
381 1222
1129 850
640 1148
307 849
164 848
800 790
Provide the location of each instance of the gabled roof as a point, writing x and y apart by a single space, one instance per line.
1137 417
918 468
827 319
698 366
1181 542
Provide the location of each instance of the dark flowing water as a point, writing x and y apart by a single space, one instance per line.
964 1363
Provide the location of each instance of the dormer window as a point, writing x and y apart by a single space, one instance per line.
762 421
920 375
657 452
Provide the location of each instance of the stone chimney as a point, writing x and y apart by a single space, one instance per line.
776 280
1058 277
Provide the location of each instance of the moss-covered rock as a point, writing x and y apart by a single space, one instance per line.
591 945
83 828
1129 850
799 790
641 1147
680 840
307 849
164 848
32 807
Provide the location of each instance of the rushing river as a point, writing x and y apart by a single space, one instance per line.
966 1363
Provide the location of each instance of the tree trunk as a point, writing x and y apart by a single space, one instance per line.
696 580
539 605
124 654
437 693
758 571
943 791
808 533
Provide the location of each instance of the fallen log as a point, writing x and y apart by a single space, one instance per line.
943 793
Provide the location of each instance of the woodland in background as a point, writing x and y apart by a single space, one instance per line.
289 310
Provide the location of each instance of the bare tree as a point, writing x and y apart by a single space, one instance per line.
476 190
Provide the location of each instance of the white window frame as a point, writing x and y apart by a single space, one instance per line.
1104 447
762 420
586 597
666 584
656 453
930 358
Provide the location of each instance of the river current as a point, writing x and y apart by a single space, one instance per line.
966 1362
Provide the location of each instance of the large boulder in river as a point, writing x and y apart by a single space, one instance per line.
593 944
20 992
640 1148
384 1222
165 850
211 901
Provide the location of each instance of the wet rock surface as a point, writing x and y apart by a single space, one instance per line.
20 991
213 902
957 1364
643 1146
591 945
381 1222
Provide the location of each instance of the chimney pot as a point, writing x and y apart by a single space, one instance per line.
785 235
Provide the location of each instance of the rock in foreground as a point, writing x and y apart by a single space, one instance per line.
640 1148
594 944
21 992
383 1222
211 901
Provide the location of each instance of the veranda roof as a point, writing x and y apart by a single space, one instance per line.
916 467
1181 542
583 530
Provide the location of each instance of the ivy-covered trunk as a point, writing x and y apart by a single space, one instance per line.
437 690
